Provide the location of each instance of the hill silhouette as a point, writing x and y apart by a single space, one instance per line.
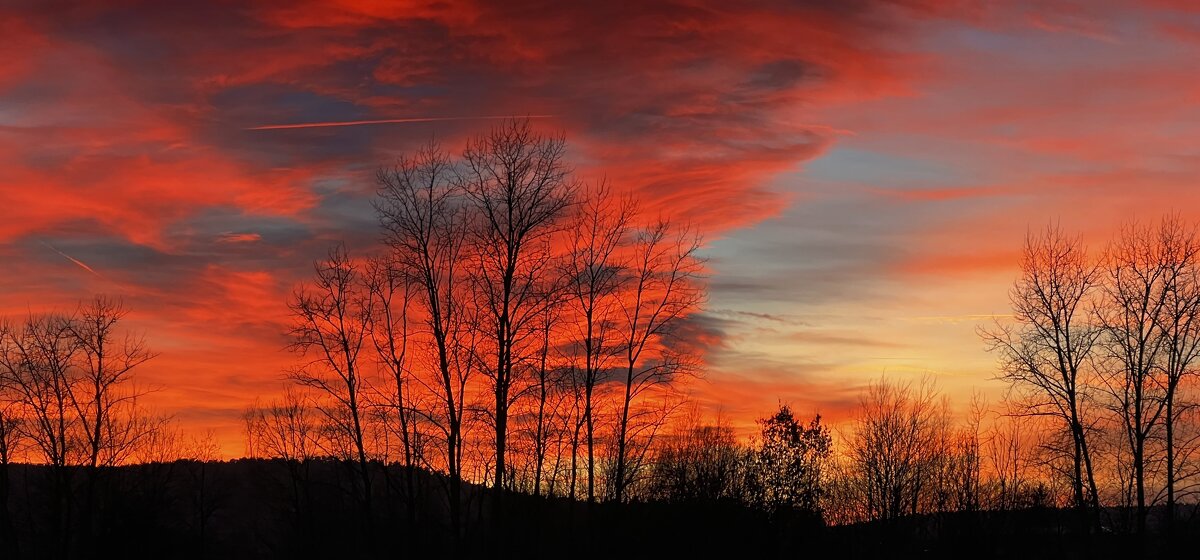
256 508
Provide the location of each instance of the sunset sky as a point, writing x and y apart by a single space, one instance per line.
863 172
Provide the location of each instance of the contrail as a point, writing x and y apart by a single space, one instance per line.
391 121
72 259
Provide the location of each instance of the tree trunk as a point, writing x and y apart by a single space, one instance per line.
1170 428
622 438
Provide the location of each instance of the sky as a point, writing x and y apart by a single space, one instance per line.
863 172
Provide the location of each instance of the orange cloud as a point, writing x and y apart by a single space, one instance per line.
136 161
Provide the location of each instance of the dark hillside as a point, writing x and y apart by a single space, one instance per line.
275 509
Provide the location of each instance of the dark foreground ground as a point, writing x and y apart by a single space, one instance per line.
272 509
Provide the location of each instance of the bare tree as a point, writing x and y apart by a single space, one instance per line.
108 361
391 296
663 288
895 447
592 268
11 441
577 415
421 211
519 185
1044 355
560 437
701 463
962 466
1137 270
332 318
105 401
38 366
37 362
282 429
287 429
545 388
70 379
1006 444
1179 330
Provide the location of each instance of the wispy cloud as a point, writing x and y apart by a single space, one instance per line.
971 318
72 259
239 237
391 121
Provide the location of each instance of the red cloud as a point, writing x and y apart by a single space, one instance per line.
122 132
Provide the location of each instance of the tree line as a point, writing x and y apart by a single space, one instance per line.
519 329
69 401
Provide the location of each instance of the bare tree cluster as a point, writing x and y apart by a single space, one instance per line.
1104 349
698 462
516 328
68 400
900 459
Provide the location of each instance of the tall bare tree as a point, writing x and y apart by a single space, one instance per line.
1137 273
105 400
1179 330
390 299
520 187
38 366
37 363
332 321
546 378
663 288
1045 353
422 213
576 416
592 270
108 358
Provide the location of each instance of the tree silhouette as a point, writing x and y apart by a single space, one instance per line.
332 320
1046 352
425 227
1137 271
545 386
391 296
10 443
593 271
1179 329
789 462
108 362
67 391
519 188
895 449
701 463
661 290
38 369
